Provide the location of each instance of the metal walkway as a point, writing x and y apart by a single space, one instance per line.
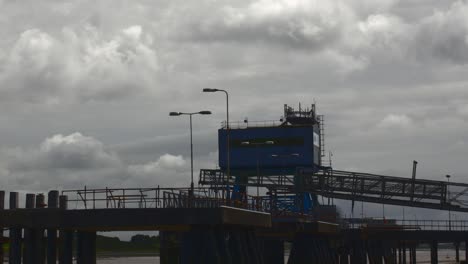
357 186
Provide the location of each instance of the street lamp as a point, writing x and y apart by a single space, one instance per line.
448 201
191 141
228 150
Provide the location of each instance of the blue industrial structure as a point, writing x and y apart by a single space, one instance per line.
273 148
269 148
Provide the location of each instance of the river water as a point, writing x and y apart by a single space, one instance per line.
423 256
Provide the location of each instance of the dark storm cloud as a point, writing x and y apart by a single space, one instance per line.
444 35
390 77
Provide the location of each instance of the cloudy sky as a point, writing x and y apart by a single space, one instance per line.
86 87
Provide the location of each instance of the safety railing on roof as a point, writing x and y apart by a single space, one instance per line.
249 124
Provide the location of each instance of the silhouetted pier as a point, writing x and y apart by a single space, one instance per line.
200 228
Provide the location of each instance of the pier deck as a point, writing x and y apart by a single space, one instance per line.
132 218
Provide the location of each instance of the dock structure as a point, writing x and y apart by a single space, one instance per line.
206 234
204 230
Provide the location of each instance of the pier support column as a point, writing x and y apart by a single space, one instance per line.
400 254
344 257
86 248
375 251
404 252
457 251
413 254
2 207
52 233
15 234
28 247
434 255
66 237
309 248
39 241
466 250
273 251
358 253
168 251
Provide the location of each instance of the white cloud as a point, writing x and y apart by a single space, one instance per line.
76 151
75 160
167 171
78 64
298 23
395 120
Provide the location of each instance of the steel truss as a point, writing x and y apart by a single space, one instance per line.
356 186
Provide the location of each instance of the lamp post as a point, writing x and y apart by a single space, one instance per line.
191 141
256 144
448 202
228 169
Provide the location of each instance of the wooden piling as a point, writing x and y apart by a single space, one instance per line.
434 253
28 247
66 237
15 234
53 197
39 242
2 207
86 248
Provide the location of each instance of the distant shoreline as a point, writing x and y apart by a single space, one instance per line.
113 254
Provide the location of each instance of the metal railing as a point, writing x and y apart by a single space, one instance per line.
398 224
137 197
109 198
357 186
244 124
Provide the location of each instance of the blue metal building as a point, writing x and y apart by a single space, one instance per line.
273 148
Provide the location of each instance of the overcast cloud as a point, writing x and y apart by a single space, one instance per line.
86 87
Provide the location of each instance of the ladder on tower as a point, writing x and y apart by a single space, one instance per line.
322 139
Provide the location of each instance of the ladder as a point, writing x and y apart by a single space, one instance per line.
320 118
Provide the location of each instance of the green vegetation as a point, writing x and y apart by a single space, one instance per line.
137 244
